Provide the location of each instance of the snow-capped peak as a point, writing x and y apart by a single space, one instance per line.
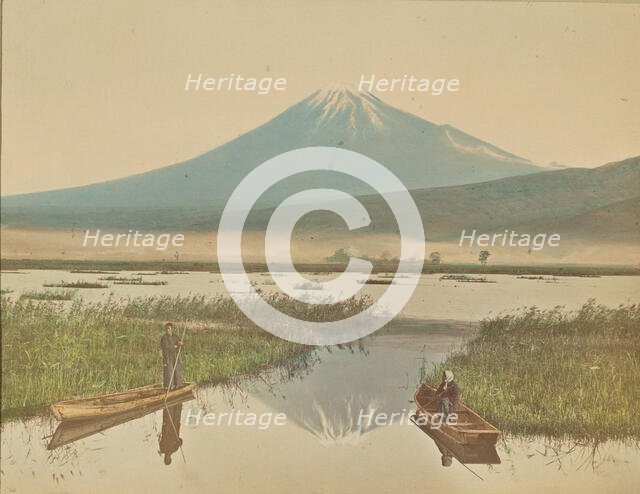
338 100
478 147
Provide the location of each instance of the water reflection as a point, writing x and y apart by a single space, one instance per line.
71 431
473 454
170 440
323 442
353 384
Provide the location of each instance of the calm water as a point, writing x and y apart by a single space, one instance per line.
321 448
434 299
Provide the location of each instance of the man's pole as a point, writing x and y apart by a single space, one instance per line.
174 429
175 364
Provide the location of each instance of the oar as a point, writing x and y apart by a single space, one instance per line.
184 331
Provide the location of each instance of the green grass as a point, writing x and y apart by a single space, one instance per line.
555 373
223 309
50 295
50 353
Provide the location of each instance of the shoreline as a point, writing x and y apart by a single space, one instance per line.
378 267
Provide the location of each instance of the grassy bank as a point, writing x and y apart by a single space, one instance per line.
166 267
52 352
555 373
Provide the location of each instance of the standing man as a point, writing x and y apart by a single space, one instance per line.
172 376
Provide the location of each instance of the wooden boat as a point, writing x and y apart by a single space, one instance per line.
115 403
470 428
480 453
70 431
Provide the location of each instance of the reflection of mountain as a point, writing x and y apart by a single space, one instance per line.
420 153
328 402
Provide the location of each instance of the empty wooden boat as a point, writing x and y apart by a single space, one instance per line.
469 428
116 403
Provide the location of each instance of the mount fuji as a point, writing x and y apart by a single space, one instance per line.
422 154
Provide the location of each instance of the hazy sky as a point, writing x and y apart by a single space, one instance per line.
95 90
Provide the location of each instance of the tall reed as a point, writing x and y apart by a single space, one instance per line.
555 373
52 351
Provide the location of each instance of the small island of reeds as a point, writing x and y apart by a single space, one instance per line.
464 278
555 373
76 284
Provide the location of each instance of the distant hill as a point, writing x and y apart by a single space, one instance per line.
618 221
586 203
422 154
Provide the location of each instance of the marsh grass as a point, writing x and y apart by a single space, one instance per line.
373 281
75 284
463 278
50 295
133 280
224 309
52 352
555 373
139 281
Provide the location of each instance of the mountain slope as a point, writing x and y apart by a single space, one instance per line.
583 202
420 153
619 221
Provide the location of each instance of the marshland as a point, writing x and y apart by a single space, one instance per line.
52 351
50 335
555 373
321 438
108 339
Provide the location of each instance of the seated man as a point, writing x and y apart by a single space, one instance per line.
449 394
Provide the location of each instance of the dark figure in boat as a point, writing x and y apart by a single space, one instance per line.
449 394
172 375
170 440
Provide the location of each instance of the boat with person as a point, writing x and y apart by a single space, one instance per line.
117 403
471 454
70 431
469 427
